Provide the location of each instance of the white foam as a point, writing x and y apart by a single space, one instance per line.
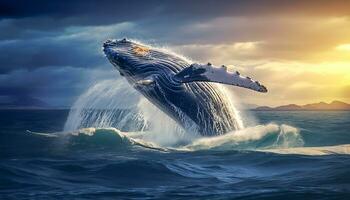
313 151
133 138
238 140
163 130
281 139
281 136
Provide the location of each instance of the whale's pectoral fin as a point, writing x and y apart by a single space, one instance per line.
209 73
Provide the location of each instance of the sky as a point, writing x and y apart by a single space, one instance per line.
51 50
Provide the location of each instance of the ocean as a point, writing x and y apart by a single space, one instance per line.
283 155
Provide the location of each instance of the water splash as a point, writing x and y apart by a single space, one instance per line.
114 103
231 103
108 103
163 130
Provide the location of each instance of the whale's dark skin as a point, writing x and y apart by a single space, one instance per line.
174 86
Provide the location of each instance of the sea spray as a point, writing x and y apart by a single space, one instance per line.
163 130
251 138
108 103
231 102
114 103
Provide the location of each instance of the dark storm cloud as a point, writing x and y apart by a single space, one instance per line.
32 54
31 18
57 86
40 17
76 47
129 10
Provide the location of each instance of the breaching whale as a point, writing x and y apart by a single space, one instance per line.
182 90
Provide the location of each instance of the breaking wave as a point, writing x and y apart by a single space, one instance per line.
270 138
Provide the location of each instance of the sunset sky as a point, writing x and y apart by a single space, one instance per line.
51 50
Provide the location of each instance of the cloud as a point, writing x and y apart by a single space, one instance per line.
59 86
285 38
138 9
74 46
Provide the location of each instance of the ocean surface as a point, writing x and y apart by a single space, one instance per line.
282 155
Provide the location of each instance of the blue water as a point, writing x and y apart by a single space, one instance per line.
106 164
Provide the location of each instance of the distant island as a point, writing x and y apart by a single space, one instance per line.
334 105
26 102
22 102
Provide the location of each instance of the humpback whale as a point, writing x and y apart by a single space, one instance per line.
184 91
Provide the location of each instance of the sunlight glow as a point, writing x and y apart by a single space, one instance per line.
343 47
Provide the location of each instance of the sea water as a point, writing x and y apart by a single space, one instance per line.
287 155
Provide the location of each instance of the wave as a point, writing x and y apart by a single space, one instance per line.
101 137
270 138
313 151
251 138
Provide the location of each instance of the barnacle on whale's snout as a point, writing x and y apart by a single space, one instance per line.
140 51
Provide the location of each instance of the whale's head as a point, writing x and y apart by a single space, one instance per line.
132 59
127 56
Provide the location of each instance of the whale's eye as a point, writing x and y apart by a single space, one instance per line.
140 51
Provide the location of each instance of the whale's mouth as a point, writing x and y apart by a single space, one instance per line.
114 42
112 46
123 49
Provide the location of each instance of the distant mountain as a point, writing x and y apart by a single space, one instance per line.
23 102
334 105
249 106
